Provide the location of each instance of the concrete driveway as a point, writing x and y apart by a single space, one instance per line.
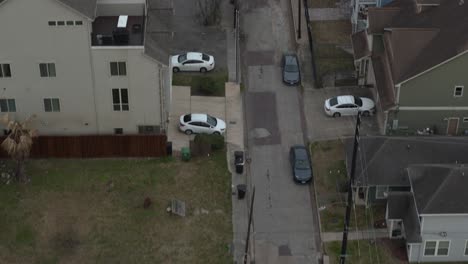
183 103
322 127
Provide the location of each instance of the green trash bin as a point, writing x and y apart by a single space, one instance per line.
186 154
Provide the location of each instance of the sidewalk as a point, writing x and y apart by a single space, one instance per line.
359 235
235 142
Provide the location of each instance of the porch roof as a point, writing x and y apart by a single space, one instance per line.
402 206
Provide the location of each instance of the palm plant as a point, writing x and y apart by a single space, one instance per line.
18 144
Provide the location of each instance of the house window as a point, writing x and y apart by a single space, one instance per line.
118 68
466 248
118 131
78 23
61 23
51 104
47 69
5 70
437 248
458 91
465 119
69 23
52 23
120 99
381 192
7 105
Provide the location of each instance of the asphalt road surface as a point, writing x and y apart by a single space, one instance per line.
283 222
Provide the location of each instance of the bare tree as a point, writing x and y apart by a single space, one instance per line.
209 12
18 144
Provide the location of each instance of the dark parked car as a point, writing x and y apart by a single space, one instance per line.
291 73
300 164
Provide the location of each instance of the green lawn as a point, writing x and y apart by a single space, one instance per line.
330 180
329 37
362 252
91 211
207 84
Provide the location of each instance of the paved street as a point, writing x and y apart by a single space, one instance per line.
283 227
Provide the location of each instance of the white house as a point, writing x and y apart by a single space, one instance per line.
80 67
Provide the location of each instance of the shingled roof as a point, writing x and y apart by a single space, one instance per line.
401 205
440 188
383 160
422 39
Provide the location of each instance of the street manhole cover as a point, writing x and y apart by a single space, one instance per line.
284 250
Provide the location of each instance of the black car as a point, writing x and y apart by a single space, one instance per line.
300 164
291 73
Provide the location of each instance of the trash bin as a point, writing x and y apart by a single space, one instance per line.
169 148
241 190
185 154
239 161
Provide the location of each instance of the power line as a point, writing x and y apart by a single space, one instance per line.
344 242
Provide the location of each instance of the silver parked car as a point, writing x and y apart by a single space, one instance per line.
291 72
348 105
201 124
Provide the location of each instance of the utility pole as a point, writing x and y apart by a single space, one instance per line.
299 4
344 242
248 229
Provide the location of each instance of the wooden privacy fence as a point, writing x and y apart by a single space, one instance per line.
97 146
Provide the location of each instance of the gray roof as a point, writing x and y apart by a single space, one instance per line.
420 40
402 206
440 188
85 7
383 160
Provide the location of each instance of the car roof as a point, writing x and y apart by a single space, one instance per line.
290 59
300 151
198 117
345 99
194 56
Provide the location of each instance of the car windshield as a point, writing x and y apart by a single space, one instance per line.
211 120
291 68
187 118
357 101
182 58
205 57
333 101
302 165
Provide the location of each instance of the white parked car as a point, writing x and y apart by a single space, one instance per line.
348 105
193 61
201 124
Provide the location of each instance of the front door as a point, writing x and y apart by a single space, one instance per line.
452 126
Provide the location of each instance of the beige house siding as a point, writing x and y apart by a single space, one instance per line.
82 83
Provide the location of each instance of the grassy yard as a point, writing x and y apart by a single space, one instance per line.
330 178
363 252
328 37
91 211
208 84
